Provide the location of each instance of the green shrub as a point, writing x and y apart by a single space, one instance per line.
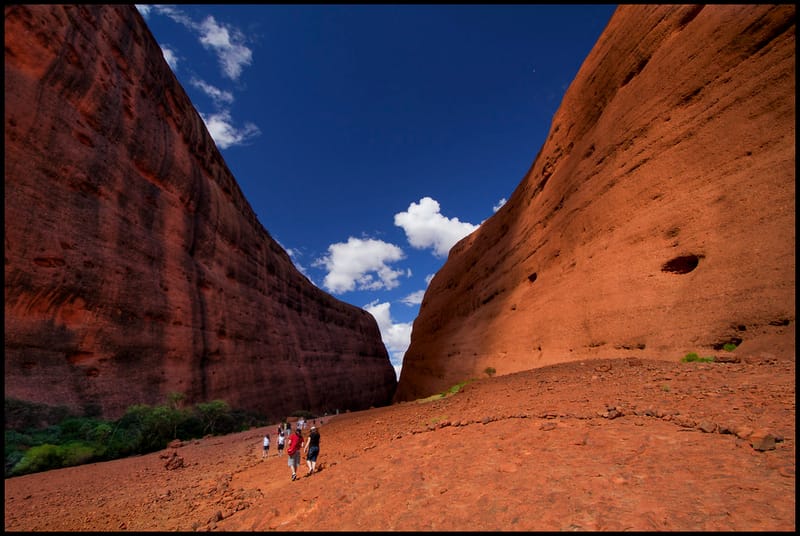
76 453
51 434
242 420
729 347
39 458
100 433
16 443
79 428
191 426
123 442
12 459
451 391
13 439
457 387
693 357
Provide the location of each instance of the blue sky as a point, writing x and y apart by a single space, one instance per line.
369 139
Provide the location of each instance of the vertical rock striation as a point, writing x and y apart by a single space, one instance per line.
134 266
657 219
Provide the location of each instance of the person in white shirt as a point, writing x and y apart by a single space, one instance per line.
265 452
281 441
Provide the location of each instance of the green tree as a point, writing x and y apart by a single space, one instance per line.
175 400
211 413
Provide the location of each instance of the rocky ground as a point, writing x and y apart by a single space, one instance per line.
601 445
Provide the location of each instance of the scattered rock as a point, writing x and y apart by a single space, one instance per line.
727 357
174 462
762 440
707 427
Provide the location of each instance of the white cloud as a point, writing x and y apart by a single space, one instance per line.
499 205
425 227
360 264
415 298
219 96
396 337
228 43
225 41
144 9
170 56
225 134
167 11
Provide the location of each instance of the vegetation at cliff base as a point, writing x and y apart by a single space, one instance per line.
453 390
32 446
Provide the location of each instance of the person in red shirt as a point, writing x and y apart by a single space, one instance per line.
293 450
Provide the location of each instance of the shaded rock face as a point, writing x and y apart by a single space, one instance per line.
134 266
658 218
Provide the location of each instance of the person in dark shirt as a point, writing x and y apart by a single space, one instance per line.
312 450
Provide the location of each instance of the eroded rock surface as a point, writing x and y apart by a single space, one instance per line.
134 266
658 218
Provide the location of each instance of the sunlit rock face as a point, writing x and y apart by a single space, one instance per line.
134 266
658 218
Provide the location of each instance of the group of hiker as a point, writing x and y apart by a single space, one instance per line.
295 444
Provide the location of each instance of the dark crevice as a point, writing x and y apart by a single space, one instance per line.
689 16
681 265
636 70
780 322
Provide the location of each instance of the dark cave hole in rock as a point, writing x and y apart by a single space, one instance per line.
681 265
532 277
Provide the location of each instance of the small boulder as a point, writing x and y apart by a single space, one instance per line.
762 440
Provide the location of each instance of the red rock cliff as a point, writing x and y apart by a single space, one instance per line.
658 218
134 266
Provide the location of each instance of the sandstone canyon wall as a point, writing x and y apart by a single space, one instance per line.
658 218
134 266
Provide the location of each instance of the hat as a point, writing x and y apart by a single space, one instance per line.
313 427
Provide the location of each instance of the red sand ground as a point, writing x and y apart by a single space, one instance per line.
596 445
